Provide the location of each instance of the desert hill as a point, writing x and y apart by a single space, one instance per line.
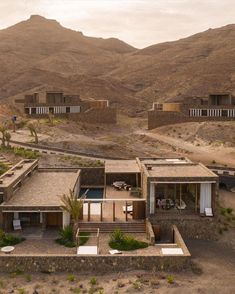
41 53
193 66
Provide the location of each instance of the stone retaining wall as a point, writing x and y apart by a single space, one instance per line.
162 118
92 264
205 229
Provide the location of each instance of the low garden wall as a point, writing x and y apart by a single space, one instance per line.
97 264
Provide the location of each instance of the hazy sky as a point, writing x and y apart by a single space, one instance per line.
137 22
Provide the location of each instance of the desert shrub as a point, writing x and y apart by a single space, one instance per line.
71 278
121 241
28 278
93 281
9 240
170 279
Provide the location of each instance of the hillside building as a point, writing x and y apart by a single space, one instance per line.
216 107
40 104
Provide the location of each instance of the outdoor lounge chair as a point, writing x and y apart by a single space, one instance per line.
115 251
16 224
208 212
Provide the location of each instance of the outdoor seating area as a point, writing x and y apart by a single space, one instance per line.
121 185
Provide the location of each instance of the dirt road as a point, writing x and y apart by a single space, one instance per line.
221 155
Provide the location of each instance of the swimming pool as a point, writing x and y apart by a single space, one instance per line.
92 193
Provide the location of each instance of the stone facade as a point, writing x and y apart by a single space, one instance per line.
92 176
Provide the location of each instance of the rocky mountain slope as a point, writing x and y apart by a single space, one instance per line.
40 53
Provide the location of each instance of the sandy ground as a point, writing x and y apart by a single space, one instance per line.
206 142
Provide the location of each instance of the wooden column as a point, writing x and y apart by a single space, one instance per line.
126 212
196 198
89 211
101 211
104 184
114 211
137 180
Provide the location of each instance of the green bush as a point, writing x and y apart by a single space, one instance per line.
121 241
66 237
9 240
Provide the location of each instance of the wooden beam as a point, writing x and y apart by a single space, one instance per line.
101 211
114 211
89 211
104 185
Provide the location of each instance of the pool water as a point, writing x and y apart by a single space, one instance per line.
92 193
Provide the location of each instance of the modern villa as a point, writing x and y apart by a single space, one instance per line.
42 103
215 107
161 188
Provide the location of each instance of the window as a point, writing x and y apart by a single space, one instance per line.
33 110
67 109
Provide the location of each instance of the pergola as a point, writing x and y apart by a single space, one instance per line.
121 167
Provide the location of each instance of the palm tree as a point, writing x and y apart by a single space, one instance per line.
33 132
74 206
8 138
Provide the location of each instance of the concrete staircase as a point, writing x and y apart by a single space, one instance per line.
107 227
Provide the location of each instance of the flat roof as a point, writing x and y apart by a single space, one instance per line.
16 171
180 171
43 188
165 161
121 166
